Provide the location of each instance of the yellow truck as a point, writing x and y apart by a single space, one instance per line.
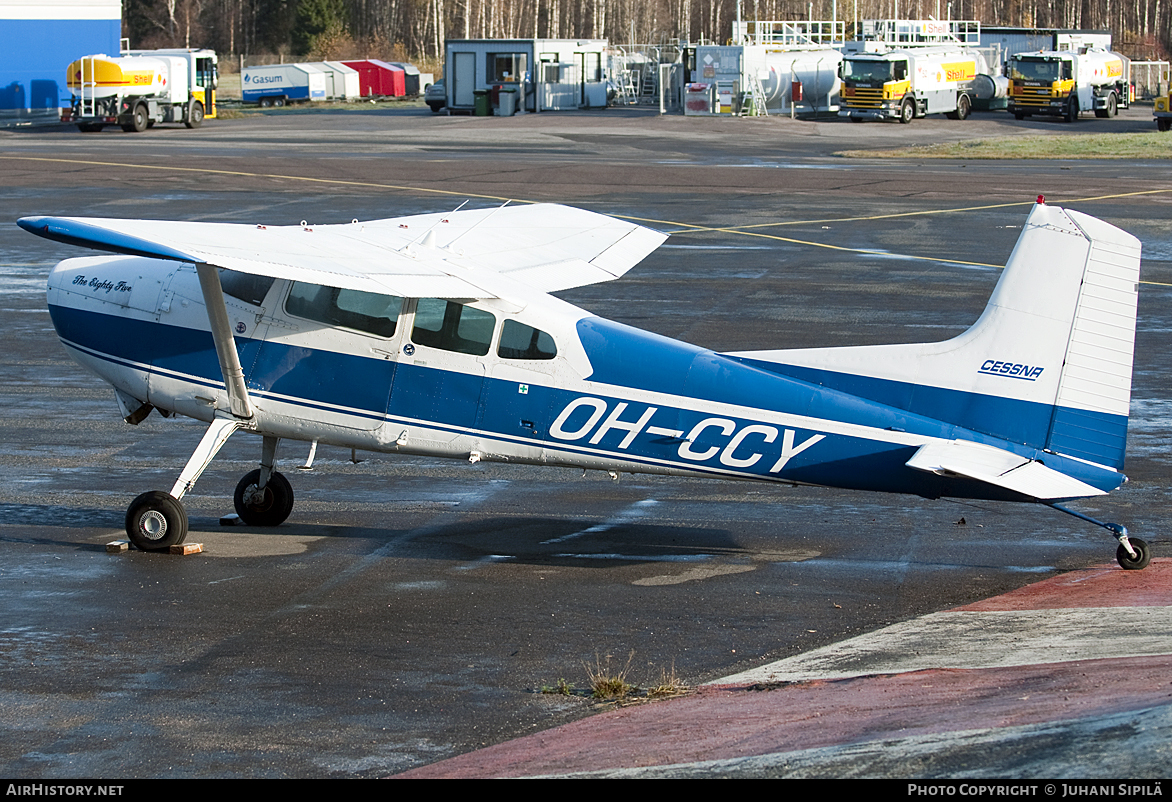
139 88
1163 113
903 84
1063 83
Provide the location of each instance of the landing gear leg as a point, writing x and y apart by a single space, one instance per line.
157 520
1133 554
264 497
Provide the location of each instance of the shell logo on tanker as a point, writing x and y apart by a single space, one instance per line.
960 70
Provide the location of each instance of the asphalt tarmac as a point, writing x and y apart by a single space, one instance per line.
411 610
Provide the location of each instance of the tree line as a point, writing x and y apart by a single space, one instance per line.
415 30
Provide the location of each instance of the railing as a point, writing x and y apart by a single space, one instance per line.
906 32
790 34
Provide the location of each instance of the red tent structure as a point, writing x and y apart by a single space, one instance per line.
378 78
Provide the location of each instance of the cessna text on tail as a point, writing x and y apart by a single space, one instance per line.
436 335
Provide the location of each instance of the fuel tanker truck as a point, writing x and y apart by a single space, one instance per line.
140 88
905 83
1062 83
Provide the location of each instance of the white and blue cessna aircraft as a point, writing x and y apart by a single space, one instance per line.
436 334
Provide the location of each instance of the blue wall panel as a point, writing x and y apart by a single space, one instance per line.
34 55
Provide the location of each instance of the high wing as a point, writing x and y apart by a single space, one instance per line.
460 254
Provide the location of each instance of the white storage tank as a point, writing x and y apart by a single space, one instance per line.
815 70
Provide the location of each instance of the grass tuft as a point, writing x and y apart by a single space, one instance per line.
607 682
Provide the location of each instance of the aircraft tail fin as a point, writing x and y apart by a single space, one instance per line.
1048 364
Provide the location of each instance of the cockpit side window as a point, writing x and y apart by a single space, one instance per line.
245 286
353 309
452 326
519 341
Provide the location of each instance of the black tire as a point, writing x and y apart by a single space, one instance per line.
274 506
265 102
907 110
194 115
1071 113
156 521
435 107
278 101
1019 115
855 119
1143 555
964 107
1163 124
140 120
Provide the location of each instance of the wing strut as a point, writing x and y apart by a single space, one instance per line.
213 298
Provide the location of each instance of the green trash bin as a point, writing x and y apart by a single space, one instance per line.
483 102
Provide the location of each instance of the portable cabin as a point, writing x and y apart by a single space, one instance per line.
547 74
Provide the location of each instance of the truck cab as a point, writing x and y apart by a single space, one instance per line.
1065 83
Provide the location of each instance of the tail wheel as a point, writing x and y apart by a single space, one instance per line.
156 521
194 115
1143 555
267 507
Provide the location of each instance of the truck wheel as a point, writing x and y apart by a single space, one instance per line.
1112 105
963 107
265 102
278 101
194 115
140 121
1071 114
907 111
1163 124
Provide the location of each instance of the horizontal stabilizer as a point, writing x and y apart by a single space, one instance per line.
461 254
1001 468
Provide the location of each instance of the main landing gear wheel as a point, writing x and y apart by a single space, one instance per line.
156 521
1143 555
268 507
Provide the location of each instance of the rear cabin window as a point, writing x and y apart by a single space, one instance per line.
451 326
519 341
367 312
